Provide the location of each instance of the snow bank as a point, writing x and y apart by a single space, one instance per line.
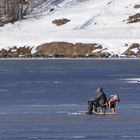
91 21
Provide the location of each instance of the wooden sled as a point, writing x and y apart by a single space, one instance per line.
106 113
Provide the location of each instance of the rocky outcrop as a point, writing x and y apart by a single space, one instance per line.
134 18
133 50
64 49
16 52
3 53
60 22
68 50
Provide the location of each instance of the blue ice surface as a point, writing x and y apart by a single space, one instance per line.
39 99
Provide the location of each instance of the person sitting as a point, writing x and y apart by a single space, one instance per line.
99 101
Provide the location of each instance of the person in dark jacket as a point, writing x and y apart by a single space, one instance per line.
99 101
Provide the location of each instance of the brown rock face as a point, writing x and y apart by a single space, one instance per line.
60 22
64 49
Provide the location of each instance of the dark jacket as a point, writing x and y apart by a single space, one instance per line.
100 99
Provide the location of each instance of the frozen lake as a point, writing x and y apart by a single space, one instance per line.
38 98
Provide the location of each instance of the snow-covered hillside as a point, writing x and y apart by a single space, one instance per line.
91 21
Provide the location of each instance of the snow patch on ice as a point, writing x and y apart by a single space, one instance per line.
56 82
132 80
77 137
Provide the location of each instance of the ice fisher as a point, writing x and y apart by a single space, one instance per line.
99 101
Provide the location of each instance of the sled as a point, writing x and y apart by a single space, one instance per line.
106 113
93 113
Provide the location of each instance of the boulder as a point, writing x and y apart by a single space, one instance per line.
60 22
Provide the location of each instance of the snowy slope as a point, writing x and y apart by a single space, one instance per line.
91 21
